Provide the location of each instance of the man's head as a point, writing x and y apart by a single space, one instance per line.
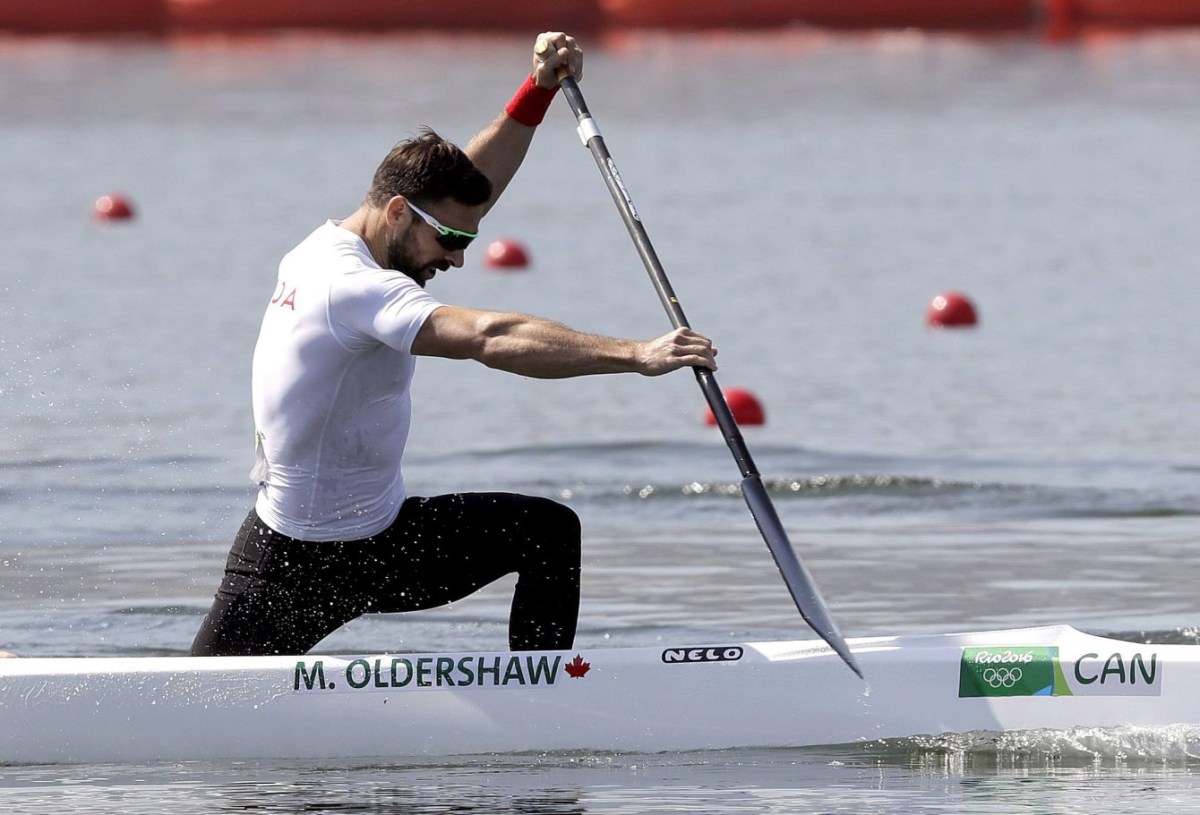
428 169
430 192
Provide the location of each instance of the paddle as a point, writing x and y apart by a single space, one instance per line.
800 584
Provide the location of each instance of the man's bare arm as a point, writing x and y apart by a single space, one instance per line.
499 148
535 347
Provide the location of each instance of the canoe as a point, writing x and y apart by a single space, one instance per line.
685 698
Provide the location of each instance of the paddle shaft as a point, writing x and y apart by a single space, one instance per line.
803 590
716 399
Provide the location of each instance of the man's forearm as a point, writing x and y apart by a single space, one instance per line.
531 346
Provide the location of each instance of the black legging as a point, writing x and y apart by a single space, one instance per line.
283 596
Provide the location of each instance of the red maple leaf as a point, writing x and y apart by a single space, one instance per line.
577 667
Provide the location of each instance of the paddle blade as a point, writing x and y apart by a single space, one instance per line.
799 583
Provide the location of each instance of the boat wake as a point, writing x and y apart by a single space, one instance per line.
1076 747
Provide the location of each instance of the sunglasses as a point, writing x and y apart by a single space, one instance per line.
452 240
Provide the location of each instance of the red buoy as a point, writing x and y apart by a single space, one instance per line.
950 310
507 254
744 406
112 208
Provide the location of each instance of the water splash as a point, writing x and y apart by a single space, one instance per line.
1080 746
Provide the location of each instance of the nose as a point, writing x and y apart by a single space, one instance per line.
456 258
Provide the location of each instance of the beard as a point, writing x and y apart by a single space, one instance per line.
401 258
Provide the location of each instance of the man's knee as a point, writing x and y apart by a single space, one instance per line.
565 519
561 532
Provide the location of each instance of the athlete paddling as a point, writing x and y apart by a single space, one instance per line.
334 533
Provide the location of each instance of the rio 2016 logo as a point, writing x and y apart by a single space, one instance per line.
1015 671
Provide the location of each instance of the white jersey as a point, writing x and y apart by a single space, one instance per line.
330 382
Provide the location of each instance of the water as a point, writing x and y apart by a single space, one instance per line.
808 196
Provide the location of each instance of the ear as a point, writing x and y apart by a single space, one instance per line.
396 210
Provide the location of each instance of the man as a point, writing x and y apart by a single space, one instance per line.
333 533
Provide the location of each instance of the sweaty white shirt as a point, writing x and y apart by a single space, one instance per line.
330 383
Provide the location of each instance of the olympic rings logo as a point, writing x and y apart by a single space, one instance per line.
1002 677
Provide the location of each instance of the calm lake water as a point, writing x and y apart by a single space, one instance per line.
808 195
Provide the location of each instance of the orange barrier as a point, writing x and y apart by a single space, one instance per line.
83 17
530 16
846 14
164 17
1129 13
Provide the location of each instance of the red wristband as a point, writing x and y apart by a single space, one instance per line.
530 103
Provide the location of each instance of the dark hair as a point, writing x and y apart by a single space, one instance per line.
427 168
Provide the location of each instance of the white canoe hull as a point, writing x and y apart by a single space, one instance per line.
774 694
